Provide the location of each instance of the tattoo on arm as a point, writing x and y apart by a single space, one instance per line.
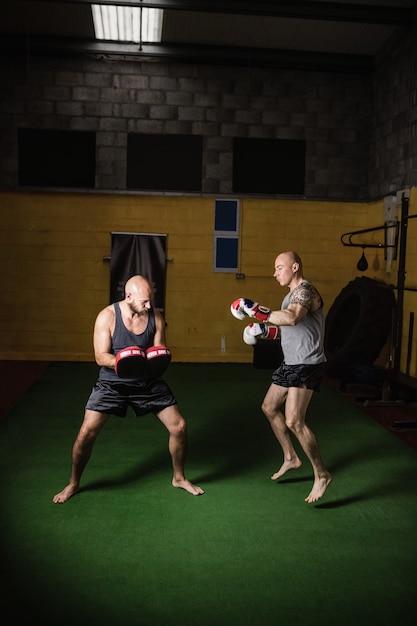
304 295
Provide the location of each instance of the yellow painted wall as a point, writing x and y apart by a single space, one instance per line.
53 279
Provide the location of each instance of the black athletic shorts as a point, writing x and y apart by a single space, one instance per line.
308 376
116 397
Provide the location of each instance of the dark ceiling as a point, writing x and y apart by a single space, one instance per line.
310 34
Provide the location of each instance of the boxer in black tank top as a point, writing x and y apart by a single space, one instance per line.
135 322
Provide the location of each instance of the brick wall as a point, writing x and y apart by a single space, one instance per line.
331 112
393 145
360 130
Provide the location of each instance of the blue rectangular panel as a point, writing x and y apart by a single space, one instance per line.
226 258
226 216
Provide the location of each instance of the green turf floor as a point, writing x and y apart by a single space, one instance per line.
130 550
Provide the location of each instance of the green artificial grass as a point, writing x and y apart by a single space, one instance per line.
131 550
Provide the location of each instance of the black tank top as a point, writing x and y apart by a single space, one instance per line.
123 338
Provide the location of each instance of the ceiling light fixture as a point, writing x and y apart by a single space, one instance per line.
123 23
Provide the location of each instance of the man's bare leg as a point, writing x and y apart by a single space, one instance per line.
297 403
271 407
177 428
322 478
81 452
281 432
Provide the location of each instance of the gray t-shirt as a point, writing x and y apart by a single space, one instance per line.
303 344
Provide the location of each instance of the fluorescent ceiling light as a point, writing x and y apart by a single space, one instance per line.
123 23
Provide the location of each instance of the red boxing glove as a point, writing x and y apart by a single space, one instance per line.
131 363
157 360
242 306
253 332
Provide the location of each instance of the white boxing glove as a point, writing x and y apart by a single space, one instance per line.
242 306
253 332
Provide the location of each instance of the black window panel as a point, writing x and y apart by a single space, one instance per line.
227 254
226 215
269 166
164 162
56 158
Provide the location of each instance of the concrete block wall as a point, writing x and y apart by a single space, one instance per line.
393 140
330 111
360 130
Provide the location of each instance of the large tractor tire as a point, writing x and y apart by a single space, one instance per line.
358 324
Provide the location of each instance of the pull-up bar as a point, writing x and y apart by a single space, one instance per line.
386 227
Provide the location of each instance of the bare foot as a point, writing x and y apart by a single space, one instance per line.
65 494
286 466
319 487
185 484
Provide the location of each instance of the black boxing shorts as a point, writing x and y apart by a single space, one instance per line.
115 397
308 376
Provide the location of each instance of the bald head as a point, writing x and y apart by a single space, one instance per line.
290 257
288 268
138 285
138 294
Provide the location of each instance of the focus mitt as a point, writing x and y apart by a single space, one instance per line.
157 360
131 363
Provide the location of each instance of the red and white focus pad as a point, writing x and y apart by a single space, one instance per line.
158 358
131 363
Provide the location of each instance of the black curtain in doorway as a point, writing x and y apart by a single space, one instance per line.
138 253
